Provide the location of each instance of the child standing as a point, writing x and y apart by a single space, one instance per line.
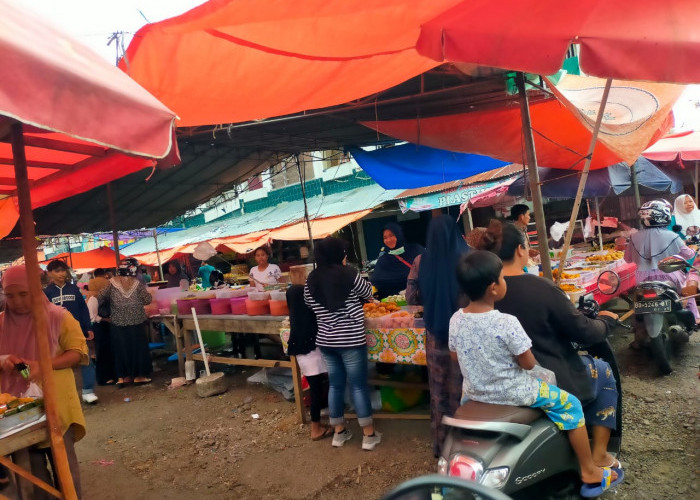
494 355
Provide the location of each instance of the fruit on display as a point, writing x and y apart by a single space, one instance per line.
378 309
610 256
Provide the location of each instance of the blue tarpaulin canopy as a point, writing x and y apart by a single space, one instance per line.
412 166
557 183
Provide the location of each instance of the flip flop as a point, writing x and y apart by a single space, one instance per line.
592 490
615 464
326 434
144 382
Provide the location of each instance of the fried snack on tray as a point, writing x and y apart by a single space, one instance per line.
570 288
377 309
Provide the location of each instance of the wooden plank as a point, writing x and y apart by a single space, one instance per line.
29 477
298 398
237 325
266 363
398 384
35 434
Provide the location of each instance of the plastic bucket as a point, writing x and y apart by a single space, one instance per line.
238 305
279 308
257 307
201 306
220 306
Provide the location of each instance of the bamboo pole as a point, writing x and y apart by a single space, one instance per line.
302 180
635 191
160 264
600 229
113 223
584 178
535 188
29 477
26 220
696 182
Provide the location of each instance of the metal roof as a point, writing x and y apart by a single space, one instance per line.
345 202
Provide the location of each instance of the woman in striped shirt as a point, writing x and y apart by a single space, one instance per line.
335 292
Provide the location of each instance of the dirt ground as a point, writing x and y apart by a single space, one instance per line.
171 444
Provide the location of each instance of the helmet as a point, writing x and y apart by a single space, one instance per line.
128 267
655 213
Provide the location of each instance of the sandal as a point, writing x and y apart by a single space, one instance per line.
592 490
143 382
328 432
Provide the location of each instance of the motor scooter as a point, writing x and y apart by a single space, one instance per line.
667 323
436 487
518 450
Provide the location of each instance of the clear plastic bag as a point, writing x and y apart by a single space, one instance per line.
545 375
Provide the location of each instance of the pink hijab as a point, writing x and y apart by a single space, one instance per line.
17 330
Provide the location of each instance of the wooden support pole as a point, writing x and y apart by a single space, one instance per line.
635 191
584 177
696 182
535 188
26 220
29 477
113 223
302 180
600 229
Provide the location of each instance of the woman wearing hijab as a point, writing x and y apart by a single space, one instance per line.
685 214
334 292
433 283
176 276
395 259
18 345
127 297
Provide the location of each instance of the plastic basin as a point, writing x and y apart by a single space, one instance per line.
257 307
238 305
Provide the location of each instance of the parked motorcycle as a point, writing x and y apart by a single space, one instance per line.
518 450
436 487
666 320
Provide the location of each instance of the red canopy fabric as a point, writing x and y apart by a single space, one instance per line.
87 261
683 146
86 122
637 114
231 61
626 39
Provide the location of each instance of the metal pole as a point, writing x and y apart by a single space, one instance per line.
600 229
696 182
160 265
635 190
113 223
584 177
535 188
302 180
26 220
70 252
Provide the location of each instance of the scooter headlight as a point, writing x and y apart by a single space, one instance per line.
495 478
465 467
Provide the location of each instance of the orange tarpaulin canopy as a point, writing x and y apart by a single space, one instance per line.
87 261
637 114
232 61
85 122
320 228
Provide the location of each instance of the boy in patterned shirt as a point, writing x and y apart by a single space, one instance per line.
494 356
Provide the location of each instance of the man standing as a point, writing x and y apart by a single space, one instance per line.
67 295
204 273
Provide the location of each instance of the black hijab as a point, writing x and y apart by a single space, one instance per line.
437 276
331 282
391 271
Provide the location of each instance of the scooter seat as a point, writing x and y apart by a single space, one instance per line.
475 410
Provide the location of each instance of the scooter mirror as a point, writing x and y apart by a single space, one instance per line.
672 264
608 282
692 231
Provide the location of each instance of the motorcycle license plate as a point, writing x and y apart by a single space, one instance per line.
652 306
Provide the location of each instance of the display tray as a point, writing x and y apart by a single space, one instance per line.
22 418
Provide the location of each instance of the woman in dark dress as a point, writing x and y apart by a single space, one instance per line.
432 283
395 259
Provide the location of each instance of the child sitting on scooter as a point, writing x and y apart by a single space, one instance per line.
494 356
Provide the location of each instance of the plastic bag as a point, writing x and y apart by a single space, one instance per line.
33 391
545 375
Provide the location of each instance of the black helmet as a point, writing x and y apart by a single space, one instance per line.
128 267
655 213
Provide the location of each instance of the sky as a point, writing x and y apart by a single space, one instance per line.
93 22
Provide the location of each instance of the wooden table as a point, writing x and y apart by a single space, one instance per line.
171 323
242 324
17 444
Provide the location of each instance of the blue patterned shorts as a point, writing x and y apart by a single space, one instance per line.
562 408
